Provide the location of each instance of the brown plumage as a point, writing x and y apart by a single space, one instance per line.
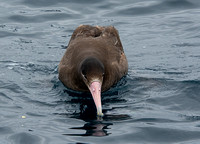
94 53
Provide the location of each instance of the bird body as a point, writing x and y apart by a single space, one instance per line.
94 54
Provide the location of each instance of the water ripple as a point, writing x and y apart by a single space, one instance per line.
23 138
157 102
147 8
43 18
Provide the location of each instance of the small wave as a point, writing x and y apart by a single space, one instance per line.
147 8
12 88
186 45
160 135
41 3
21 67
192 118
4 34
196 82
43 18
5 96
22 138
5 130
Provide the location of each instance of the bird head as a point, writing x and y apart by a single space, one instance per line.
92 72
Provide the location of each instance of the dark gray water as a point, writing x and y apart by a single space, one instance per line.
157 102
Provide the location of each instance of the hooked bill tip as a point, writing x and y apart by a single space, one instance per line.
99 112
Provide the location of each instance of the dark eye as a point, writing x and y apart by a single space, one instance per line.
103 74
85 76
83 72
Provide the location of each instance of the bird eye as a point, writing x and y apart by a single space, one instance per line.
103 75
85 76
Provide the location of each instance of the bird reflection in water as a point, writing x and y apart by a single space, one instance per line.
93 128
94 125
99 127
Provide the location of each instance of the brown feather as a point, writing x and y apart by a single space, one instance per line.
102 43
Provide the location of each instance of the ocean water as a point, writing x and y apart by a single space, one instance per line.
157 102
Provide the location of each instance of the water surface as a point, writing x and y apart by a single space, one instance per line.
157 102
